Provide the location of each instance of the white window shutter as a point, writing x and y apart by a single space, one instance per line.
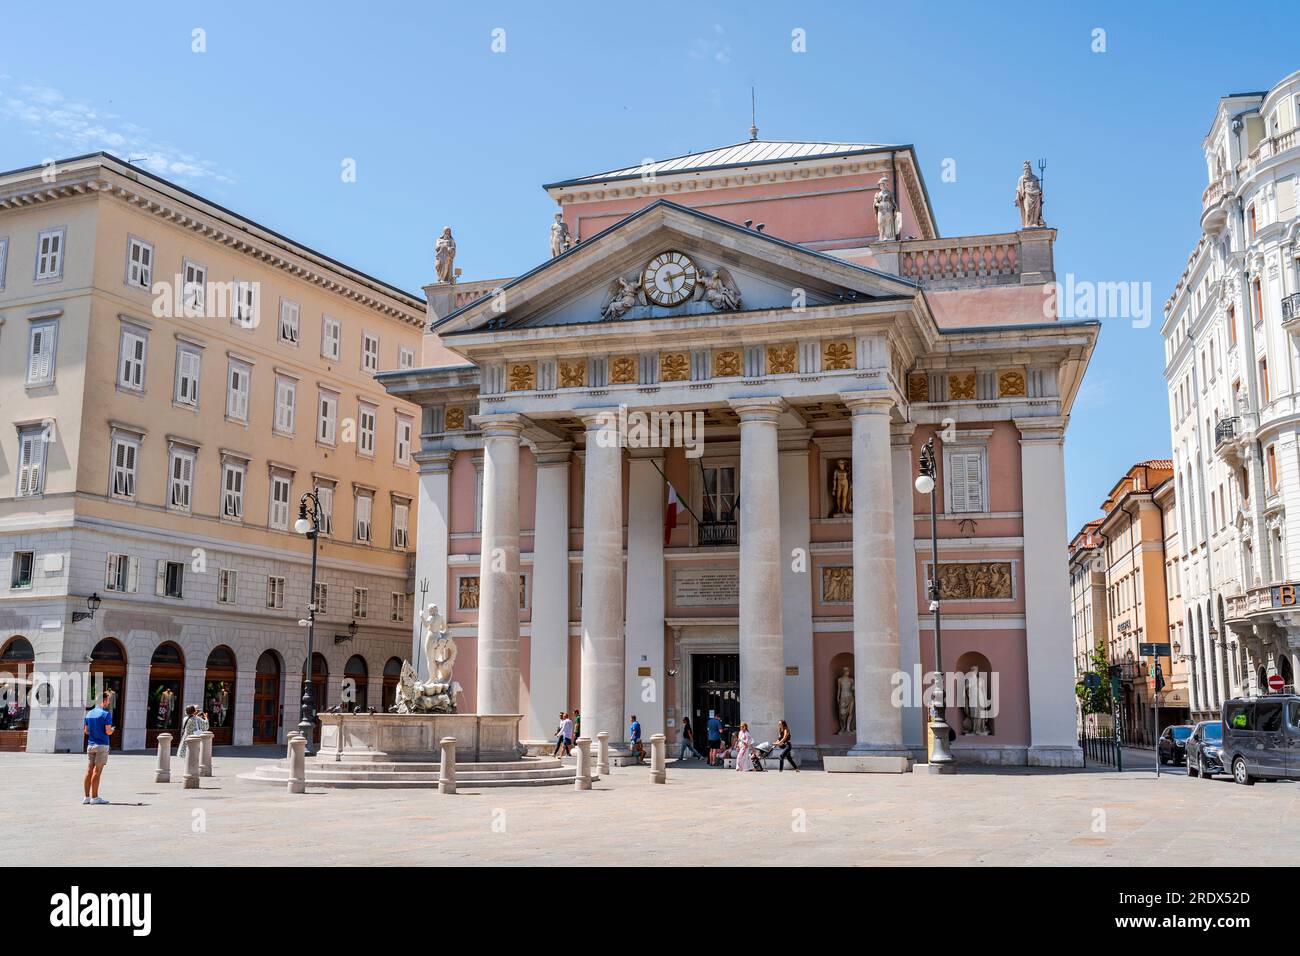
132 574
957 483
160 583
110 572
975 483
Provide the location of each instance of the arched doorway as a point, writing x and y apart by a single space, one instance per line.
166 680
267 706
17 660
356 678
108 675
1288 677
320 681
219 694
392 673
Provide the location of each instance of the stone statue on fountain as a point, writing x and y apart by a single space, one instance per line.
438 694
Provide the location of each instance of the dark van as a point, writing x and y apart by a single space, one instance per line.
1261 737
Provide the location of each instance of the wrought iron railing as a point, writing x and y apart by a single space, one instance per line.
716 533
1226 430
1291 307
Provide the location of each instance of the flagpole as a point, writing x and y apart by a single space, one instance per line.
679 499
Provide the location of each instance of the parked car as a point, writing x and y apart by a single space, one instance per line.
1261 737
1205 750
1172 747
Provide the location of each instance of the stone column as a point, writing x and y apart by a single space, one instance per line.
875 588
1220 670
242 732
1193 686
194 746
136 712
432 534
1052 740
645 588
205 753
548 664
797 584
909 636
498 613
164 772
297 766
582 774
447 765
658 765
602 578
602 753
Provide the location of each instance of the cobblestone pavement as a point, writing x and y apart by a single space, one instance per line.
701 816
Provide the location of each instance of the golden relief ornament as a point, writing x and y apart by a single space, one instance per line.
467 593
1011 384
837 356
573 374
674 367
837 584
455 418
918 387
622 370
975 581
781 360
961 387
522 377
726 363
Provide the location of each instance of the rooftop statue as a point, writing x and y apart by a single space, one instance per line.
444 256
1029 199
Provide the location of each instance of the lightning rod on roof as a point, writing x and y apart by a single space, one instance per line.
753 116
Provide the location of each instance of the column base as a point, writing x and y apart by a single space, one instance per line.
897 761
1063 756
935 768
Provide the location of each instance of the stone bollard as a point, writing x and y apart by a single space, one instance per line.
582 780
298 765
164 772
205 754
193 744
658 747
602 754
447 765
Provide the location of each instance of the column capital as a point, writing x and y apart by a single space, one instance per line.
758 409
436 462
652 453
868 402
549 454
900 434
595 419
793 441
500 425
1041 428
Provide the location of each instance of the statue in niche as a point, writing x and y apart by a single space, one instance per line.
444 256
845 704
888 219
561 241
977 706
467 593
1029 199
841 489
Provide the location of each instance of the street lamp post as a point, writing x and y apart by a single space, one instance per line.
940 756
309 523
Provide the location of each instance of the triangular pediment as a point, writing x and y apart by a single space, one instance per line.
711 267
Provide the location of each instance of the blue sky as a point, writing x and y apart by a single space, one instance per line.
445 131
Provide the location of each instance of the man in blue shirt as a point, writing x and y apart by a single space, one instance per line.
99 726
714 735
634 735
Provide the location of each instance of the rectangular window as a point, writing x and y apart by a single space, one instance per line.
1263 381
331 338
399 607
237 388
275 592
49 255
364 503
402 447
139 264
360 597
232 495
719 494
23 562
964 483
286 401
325 496
327 417
122 573
289 321
246 303
369 352
132 351
125 451
321 598
405 357
226 586
170 581
40 352
194 291
281 492
4 260
401 522
180 479
1272 468
366 429
189 362
31 462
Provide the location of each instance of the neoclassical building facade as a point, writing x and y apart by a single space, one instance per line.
757 339
1232 372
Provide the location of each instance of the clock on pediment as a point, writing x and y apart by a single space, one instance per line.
669 278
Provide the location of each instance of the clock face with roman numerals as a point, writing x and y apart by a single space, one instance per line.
669 278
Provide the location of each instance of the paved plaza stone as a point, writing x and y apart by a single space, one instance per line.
702 816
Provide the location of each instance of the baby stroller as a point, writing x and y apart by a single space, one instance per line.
759 753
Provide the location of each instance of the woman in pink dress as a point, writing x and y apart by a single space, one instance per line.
744 748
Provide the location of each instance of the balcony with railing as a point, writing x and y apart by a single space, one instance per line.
716 534
1291 312
1227 434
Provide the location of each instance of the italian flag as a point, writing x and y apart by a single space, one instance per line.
670 513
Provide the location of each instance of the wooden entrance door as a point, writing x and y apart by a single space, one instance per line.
267 716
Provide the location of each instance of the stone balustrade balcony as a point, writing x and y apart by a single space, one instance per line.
963 261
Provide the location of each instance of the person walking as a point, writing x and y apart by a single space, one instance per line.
783 744
714 733
744 748
688 741
98 728
564 736
196 722
577 723
634 735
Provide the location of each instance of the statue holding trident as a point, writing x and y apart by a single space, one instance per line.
438 694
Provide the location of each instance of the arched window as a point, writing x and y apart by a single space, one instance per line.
219 694
108 675
16 659
166 685
392 673
356 679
